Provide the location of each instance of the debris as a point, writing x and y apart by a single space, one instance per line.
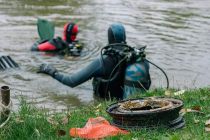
96 128
168 93
52 121
207 129
144 105
98 106
179 92
198 108
19 120
207 126
188 110
61 132
147 113
65 120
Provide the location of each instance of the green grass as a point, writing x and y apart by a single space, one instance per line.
30 123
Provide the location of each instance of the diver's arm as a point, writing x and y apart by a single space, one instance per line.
97 68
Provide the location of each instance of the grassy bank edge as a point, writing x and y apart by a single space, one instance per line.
33 123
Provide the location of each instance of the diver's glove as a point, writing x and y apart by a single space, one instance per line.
47 69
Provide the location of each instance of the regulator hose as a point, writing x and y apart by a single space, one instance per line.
161 71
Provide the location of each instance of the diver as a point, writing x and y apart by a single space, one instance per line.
65 45
117 73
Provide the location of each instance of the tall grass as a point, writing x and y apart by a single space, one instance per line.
30 123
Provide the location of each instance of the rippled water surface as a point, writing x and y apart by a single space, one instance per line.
176 32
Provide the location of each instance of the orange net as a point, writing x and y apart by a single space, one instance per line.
96 128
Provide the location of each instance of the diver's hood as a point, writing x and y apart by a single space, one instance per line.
70 32
116 34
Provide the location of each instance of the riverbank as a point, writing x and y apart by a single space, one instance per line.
32 123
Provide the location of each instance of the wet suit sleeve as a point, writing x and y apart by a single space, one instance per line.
97 68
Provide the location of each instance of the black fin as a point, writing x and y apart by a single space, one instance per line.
3 63
11 60
7 62
2 66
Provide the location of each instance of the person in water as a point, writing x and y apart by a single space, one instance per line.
65 45
119 72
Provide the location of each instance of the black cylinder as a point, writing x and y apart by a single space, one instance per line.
5 95
5 100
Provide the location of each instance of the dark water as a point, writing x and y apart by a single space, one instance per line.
176 32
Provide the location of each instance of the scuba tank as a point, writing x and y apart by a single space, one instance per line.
120 79
137 77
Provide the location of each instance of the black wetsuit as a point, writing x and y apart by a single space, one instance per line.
97 69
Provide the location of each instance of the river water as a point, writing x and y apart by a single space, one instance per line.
176 32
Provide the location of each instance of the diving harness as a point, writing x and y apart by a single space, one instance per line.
127 55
